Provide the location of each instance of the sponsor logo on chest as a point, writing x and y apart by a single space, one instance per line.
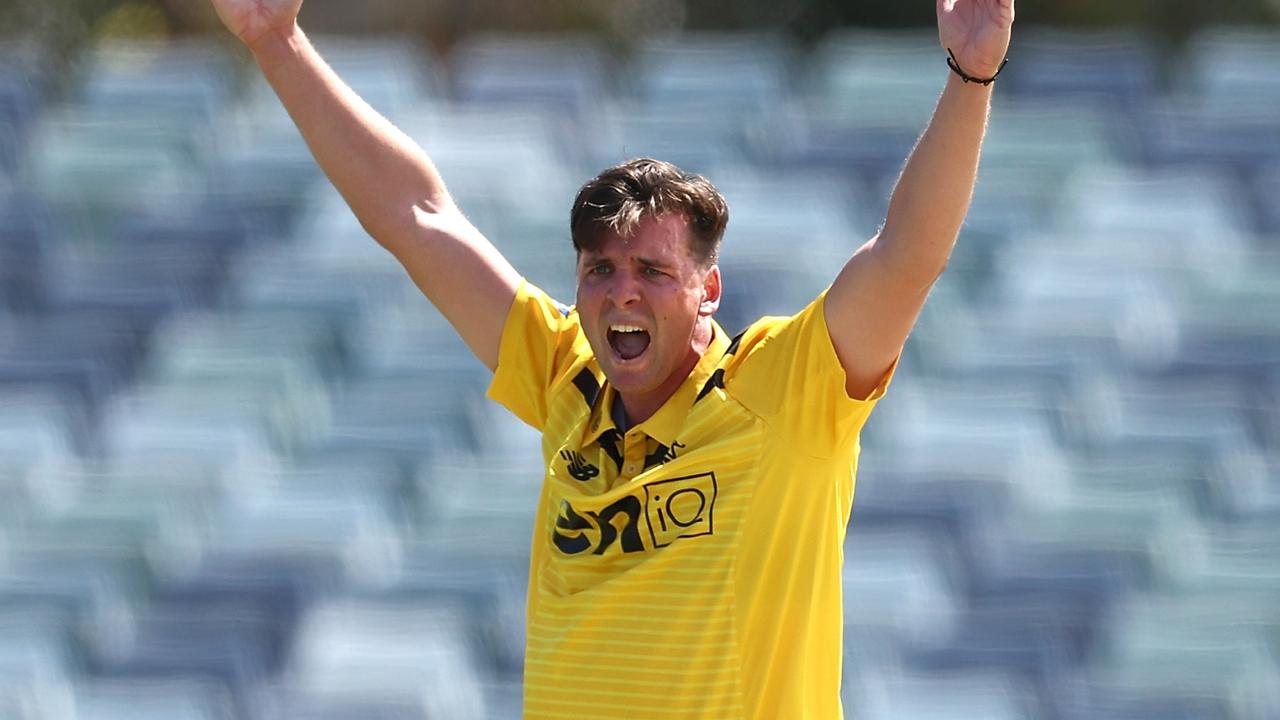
652 516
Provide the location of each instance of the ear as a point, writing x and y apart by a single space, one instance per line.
710 292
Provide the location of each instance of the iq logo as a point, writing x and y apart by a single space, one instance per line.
680 508
671 509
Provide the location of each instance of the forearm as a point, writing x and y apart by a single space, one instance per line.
932 196
381 173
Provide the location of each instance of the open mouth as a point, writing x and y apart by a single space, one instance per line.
628 341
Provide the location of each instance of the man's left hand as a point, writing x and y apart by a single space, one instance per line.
977 31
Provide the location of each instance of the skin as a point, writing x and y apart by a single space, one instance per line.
401 200
650 280
878 295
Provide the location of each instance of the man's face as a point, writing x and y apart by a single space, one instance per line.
640 300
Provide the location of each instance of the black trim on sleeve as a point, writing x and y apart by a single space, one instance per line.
587 384
717 378
715 381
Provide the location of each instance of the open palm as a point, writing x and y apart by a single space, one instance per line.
250 20
977 31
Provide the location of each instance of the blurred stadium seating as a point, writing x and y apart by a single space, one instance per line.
240 468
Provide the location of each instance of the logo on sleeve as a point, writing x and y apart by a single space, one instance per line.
663 510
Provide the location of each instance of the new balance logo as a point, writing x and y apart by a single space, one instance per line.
579 468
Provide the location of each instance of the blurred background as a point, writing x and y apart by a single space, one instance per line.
241 474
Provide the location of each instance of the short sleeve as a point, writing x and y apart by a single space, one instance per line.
791 377
541 339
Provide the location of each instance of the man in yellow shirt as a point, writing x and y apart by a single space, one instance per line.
688 539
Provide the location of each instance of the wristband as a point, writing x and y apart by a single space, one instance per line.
955 67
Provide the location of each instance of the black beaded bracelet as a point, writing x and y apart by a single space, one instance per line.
955 66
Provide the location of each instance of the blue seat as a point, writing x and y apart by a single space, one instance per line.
743 70
695 136
37 643
1266 189
1192 646
283 704
1115 68
888 78
407 415
237 642
23 80
1229 64
870 150
184 81
350 650
280 583
180 698
569 74
901 583
91 589
945 503
86 355
25 239
477 501
968 694
1118 704
1240 136
145 279
395 74
39 431
1035 636
261 188
491 584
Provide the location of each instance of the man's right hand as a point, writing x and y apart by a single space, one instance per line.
251 20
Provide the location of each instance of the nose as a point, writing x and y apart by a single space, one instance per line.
624 290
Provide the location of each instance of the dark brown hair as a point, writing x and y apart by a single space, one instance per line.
615 201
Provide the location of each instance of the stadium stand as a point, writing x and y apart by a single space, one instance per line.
241 474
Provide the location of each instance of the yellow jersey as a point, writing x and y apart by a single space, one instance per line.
690 567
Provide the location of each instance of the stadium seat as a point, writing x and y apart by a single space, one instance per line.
458 505
1194 646
865 147
1236 134
394 74
900 583
246 471
881 77
186 81
408 652
37 644
1114 68
1266 188
570 74
746 71
697 136
181 698
954 695
1230 63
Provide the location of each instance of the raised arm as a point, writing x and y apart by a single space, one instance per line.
876 298
388 180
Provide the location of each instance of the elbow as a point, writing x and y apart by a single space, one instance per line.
398 225
918 264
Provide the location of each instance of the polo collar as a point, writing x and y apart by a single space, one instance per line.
664 424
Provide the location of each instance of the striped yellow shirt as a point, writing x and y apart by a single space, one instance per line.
688 568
